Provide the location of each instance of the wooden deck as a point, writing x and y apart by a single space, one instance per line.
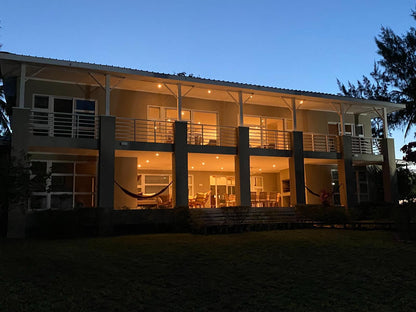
241 218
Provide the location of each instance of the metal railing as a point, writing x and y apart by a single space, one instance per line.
317 142
199 134
56 124
141 130
370 146
270 139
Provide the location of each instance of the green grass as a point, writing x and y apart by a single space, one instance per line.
295 270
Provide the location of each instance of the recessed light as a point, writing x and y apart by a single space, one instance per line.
139 166
159 86
251 96
274 166
222 168
147 161
157 154
259 169
183 113
301 102
192 167
203 163
209 91
218 157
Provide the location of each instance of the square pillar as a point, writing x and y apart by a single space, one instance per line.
180 165
106 162
346 175
19 149
389 171
297 170
242 168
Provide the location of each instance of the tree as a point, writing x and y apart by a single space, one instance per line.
393 78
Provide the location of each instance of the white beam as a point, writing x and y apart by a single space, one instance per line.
342 118
179 102
22 85
241 104
107 94
295 123
385 124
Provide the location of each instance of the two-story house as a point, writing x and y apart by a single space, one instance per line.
218 143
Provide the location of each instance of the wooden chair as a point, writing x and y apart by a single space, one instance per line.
274 198
202 200
253 199
263 199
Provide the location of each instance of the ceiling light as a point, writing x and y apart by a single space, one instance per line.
183 113
159 86
192 167
251 96
203 163
274 166
218 157
147 161
259 169
301 102
157 154
209 91
222 168
139 166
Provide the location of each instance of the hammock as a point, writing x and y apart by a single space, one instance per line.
140 196
312 192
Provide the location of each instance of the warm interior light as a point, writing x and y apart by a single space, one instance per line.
147 161
301 102
222 168
209 91
218 157
159 86
251 96
192 167
203 163
139 166
259 169
157 154
183 113
274 166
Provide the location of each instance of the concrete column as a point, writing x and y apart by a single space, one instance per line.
297 170
242 168
346 175
180 165
19 149
389 171
106 162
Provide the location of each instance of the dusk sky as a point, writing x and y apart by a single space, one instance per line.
302 45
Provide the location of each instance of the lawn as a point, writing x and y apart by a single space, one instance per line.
291 270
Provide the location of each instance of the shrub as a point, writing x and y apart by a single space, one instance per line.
323 213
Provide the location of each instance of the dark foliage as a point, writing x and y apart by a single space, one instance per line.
393 78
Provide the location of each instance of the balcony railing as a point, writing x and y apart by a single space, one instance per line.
199 134
317 142
140 130
370 146
270 139
43 123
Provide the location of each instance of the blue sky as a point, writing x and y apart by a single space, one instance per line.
294 44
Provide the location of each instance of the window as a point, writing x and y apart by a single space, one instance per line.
335 187
149 184
70 117
256 183
70 184
261 137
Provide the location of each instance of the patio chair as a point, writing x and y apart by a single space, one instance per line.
202 200
253 199
263 199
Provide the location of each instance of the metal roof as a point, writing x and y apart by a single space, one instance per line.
192 79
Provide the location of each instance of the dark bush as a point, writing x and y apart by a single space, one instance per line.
322 213
372 211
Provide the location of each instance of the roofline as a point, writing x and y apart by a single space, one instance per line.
124 70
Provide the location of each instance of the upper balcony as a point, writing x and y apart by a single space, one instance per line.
86 127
